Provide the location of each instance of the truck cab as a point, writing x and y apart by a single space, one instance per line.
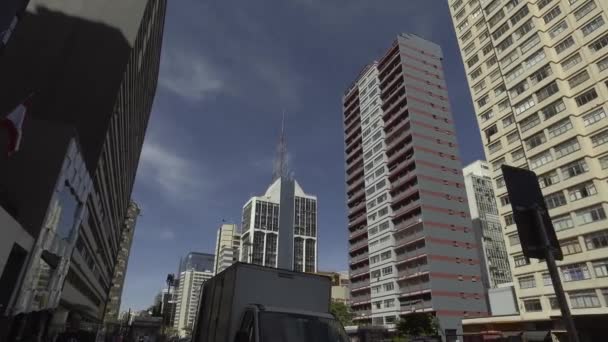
265 324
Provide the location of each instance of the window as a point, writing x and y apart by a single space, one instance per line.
584 299
578 79
524 105
486 116
535 140
523 29
483 36
508 121
530 43
509 219
374 259
592 26
473 60
559 128
563 222
508 59
594 116
541 74
475 73
599 44
463 26
496 18
542 3
479 86
519 15
548 179
492 6
581 191
514 240
519 88
589 215
389 286
495 147
586 97
500 31
575 272
503 105
532 305
564 45
385 255
513 137
389 303
603 64
604 162
597 240
490 62
514 73
500 182
540 159
490 131
375 274
574 169
600 267
504 200
527 282
552 14
566 148
499 90
554 303
505 44
547 279
555 200
584 10
535 59
553 109
571 246
571 61
557 29
486 49
376 289
599 138
387 270
520 260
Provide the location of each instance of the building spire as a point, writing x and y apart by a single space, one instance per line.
280 168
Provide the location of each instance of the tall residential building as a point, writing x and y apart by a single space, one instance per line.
486 224
60 52
195 269
538 73
411 243
279 228
122 261
226 247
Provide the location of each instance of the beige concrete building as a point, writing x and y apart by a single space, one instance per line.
537 71
226 247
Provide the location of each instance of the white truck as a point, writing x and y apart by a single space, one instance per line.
250 303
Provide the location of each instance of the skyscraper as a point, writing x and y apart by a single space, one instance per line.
486 224
195 269
226 247
537 74
93 70
411 243
279 228
122 261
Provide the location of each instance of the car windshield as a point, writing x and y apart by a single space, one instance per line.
286 327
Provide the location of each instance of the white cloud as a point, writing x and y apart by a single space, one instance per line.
189 75
174 175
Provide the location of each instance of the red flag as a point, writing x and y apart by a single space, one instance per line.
13 123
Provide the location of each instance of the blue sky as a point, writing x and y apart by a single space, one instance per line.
229 68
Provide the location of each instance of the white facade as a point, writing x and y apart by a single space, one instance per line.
226 247
188 294
538 74
260 229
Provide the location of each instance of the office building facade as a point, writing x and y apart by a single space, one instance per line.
58 52
188 295
411 246
486 224
537 72
226 247
279 229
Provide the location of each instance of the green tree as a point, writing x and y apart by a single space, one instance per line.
342 313
418 324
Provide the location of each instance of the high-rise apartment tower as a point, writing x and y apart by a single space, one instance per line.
538 71
226 247
411 243
486 224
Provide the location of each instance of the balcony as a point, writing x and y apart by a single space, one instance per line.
359 258
349 109
396 109
351 125
406 153
406 176
354 185
408 223
356 196
399 170
414 204
357 149
393 120
359 285
357 208
362 314
357 233
412 192
396 93
357 220
355 175
394 78
360 299
403 137
358 162
416 305
358 245
352 136
359 271
388 60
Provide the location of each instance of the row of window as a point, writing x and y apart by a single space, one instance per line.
578 300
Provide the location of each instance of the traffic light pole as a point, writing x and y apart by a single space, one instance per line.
555 279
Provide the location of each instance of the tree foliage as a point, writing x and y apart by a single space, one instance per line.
418 324
342 313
